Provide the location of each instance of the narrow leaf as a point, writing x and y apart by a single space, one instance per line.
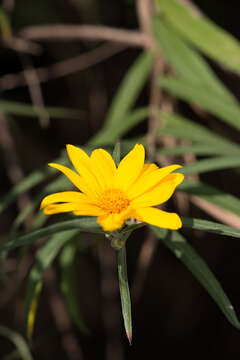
212 164
44 258
203 97
200 270
213 195
186 62
203 33
124 292
129 89
22 109
197 149
68 283
181 127
21 345
110 133
210 226
87 224
117 153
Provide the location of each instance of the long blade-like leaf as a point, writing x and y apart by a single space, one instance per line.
44 258
181 127
203 97
212 40
212 194
109 134
210 226
198 267
119 116
16 108
124 292
88 224
129 89
186 62
21 345
212 164
67 261
199 149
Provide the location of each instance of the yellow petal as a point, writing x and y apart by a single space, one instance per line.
113 222
83 165
77 180
160 193
146 183
130 167
77 209
104 166
90 210
148 168
158 218
59 208
65 196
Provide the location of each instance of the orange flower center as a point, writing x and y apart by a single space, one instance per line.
114 201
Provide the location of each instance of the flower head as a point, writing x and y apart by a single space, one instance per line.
115 194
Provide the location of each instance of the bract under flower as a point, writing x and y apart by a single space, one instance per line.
114 194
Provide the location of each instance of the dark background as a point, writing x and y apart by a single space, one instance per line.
172 316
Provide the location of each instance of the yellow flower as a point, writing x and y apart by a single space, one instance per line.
115 194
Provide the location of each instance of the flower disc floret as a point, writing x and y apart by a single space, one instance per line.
115 194
114 201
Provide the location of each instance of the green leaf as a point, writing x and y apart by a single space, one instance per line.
203 33
200 270
186 62
181 127
5 25
68 283
22 109
120 119
124 292
111 133
210 226
60 184
203 97
212 195
21 345
117 153
87 224
197 149
26 184
212 164
44 258
129 89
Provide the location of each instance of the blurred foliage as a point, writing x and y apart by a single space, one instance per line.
195 121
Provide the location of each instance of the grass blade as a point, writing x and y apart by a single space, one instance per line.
210 226
18 341
22 109
44 258
212 164
213 195
67 261
203 33
203 97
110 134
88 224
186 62
124 292
200 270
129 89
197 149
116 155
120 119
181 127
